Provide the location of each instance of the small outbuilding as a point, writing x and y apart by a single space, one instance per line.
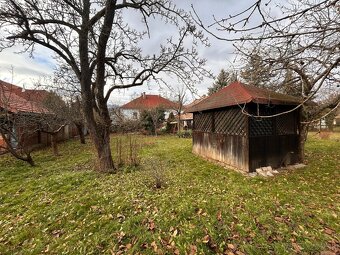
243 126
20 112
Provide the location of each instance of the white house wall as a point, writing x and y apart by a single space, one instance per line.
132 114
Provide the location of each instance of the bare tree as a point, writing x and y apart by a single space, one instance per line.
76 117
95 40
121 124
297 39
11 138
66 85
55 120
17 125
179 98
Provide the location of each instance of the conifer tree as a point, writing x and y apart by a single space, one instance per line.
223 79
256 72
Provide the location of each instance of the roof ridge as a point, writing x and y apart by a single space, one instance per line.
8 83
146 101
238 93
270 92
18 100
245 90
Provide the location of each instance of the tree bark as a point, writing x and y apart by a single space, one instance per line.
301 142
155 128
179 123
94 105
101 142
27 157
80 128
99 127
29 160
54 144
100 135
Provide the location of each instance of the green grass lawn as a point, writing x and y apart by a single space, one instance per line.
62 206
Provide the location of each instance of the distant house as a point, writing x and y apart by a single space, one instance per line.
18 107
133 109
230 126
187 118
186 121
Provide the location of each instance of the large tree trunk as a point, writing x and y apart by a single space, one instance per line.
301 142
80 128
101 140
94 104
54 144
99 128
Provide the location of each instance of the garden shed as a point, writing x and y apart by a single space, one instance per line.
231 126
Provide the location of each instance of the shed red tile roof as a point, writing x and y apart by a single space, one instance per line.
149 102
238 93
15 99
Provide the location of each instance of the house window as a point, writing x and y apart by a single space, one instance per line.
134 115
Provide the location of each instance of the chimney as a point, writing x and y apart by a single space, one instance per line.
143 95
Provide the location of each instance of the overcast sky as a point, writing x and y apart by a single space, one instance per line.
26 69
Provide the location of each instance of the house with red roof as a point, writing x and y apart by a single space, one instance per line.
15 99
19 108
133 108
247 127
14 102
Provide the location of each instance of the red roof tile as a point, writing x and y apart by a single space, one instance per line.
149 102
238 93
14 99
36 95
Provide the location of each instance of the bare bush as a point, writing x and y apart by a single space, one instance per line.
126 126
126 151
156 176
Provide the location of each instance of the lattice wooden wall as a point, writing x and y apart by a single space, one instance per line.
261 127
230 121
285 124
203 122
